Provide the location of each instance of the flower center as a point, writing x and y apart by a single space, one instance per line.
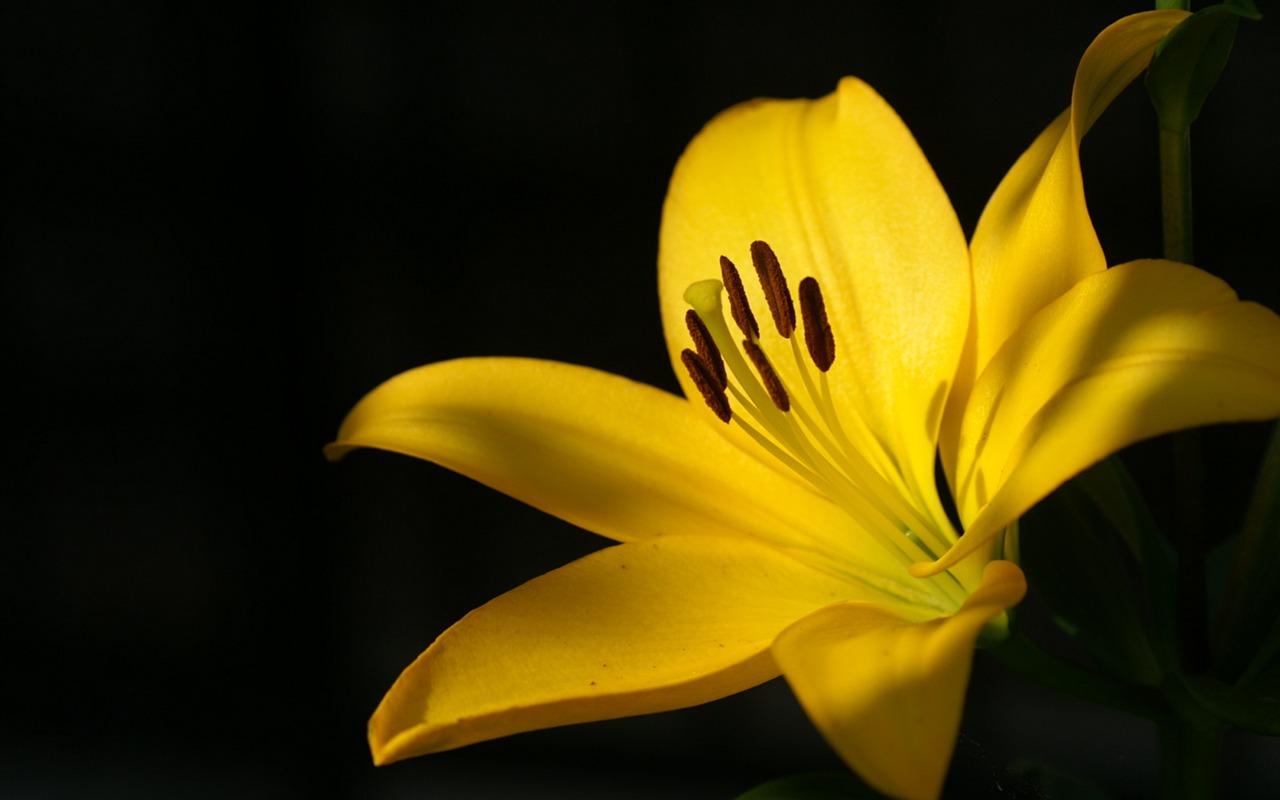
797 421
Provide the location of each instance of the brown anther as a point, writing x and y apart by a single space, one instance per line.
775 288
772 383
706 346
738 305
704 378
817 331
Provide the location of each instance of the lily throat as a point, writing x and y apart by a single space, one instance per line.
791 413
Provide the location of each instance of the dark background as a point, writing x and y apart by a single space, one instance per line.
223 224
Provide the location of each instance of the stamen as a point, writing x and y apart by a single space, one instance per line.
738 305
775 288
772 383
817 331
706 346
704 378
798 423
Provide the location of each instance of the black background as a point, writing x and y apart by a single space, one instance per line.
223 224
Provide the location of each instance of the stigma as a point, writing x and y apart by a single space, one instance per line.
791 414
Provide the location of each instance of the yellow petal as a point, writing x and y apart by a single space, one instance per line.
616 457
1035 239
1138 350
886 691
632 629
840 190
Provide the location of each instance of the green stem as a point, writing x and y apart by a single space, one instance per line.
1190 742
1175 194
1189 530
1189 758
1175 197
1189 746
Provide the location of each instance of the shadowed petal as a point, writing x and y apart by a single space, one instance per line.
1035 239
886 691
611 455
632 629
1139 350
840 190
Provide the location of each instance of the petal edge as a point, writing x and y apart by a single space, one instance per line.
632 629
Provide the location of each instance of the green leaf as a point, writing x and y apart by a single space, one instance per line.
1077 562
814 786
1248 624
1113 489
1189 61
1253 708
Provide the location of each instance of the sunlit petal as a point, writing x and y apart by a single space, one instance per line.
1035 239
1138 350
632 629
611 455
840 190
887 691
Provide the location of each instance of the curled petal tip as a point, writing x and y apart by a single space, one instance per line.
1004 583
388 747
926 569
334 451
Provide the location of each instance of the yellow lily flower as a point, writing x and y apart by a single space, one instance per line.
786 519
